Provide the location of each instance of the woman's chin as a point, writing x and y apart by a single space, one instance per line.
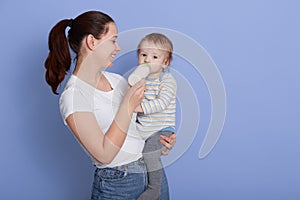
110 65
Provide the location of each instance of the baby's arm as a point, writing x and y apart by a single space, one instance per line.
166 94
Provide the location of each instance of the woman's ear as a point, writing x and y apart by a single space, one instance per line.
90 42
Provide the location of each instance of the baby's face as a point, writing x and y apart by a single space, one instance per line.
157 57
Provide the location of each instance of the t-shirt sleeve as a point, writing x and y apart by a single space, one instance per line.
75 100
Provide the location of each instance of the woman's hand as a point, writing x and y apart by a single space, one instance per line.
135 94
168 142
139 109
131 100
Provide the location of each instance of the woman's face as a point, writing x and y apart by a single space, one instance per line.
107 46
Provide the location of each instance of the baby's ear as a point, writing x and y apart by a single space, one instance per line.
166 63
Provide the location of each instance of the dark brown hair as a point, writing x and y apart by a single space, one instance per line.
58 61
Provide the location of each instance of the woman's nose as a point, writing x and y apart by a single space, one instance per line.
118 48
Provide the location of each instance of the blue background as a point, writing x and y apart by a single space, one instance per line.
255 45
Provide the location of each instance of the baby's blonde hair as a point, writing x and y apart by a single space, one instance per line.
161 41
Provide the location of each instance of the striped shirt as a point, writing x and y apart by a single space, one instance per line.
159 105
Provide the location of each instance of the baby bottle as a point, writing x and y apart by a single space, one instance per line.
141 71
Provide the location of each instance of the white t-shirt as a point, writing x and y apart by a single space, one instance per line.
79 96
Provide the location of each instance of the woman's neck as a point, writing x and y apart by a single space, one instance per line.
87 72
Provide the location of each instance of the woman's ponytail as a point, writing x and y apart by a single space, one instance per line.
58 61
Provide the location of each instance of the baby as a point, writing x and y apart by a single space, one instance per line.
157 111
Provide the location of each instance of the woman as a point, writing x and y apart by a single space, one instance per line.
98 107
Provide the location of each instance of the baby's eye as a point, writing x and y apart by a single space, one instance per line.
155 57
143 54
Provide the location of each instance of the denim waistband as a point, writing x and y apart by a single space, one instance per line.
137 166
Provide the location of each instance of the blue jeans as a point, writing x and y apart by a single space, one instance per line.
125 182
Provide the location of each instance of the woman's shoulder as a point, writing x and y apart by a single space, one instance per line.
77 96
75 89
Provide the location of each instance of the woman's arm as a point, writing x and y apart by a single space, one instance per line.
104 147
